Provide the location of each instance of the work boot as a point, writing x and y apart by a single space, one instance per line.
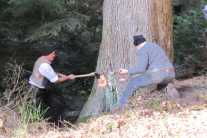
172 91
162 88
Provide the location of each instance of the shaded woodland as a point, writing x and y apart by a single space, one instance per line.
74 27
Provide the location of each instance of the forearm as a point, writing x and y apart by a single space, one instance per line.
60 75
143 63
57 74
62 79
137 70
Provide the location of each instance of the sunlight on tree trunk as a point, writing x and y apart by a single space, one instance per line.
121 21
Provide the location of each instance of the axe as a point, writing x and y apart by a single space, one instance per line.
96 74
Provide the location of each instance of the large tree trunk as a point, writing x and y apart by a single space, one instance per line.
122 20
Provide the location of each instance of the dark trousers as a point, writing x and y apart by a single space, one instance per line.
50 100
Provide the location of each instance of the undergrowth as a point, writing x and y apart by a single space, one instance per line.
17 112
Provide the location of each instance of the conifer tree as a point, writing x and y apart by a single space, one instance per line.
47 18
189 34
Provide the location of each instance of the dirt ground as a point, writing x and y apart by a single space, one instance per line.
150 113
193 96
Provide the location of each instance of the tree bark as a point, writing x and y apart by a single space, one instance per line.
122 19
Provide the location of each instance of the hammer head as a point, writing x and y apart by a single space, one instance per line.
97 75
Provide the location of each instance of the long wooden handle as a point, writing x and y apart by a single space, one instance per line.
85 75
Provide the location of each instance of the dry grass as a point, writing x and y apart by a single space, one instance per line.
15 116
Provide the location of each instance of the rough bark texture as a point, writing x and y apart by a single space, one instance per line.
122 20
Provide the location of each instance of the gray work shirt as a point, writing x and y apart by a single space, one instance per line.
151 57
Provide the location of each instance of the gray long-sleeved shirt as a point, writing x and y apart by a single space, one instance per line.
151 57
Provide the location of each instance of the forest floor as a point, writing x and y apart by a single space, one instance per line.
150 114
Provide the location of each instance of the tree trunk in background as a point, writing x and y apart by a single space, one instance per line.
122 20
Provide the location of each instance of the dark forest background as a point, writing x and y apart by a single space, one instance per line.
74 28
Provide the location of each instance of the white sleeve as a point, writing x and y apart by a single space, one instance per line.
47 71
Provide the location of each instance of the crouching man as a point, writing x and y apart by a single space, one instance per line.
42 76
160 71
